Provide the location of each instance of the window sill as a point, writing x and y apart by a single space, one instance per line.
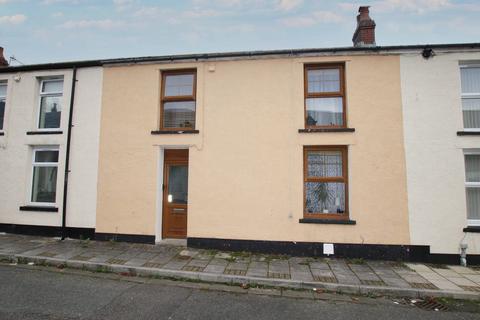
473 229
43 132
310 130
468 133
38 208
327 221
175 131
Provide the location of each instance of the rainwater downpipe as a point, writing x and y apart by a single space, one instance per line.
67 157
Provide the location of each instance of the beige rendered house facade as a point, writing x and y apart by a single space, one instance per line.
355 152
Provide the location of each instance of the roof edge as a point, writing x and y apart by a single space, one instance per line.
235 54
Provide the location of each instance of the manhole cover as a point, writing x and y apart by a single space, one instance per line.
373 282
325 279
421 285
470 288
430 305
152 265
193 268
236 272
278 275
116 261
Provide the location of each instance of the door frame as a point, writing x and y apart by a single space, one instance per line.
160 176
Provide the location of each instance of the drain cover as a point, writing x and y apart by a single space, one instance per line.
430 305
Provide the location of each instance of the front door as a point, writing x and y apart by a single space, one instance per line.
175 194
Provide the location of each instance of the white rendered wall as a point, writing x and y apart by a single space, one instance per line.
82 184
434 153
21 115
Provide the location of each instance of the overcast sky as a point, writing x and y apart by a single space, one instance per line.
62 30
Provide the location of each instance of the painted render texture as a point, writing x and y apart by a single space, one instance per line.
434 153
21 114
246 164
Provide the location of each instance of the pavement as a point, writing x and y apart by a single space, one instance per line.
354 276
32 292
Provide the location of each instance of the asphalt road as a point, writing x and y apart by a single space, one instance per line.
38 294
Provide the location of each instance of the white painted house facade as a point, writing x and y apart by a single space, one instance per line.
441 110
36 108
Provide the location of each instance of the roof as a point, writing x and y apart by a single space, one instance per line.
234 55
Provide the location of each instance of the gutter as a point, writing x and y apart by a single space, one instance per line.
239 54
67 157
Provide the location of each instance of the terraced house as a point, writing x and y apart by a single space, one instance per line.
362 151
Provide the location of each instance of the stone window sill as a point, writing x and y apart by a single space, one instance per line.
313 130
475 229
43 132
468 133
327 221
175 131
38 208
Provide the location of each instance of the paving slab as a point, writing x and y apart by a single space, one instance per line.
463 270
340 275
258 269
473 277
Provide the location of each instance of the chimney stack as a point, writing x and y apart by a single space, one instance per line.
364 35
3 62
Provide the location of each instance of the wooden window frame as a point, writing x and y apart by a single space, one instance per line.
164 99
343 178
339 94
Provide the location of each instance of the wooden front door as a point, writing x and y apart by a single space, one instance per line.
175 194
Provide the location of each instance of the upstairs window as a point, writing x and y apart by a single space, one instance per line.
325 182
3 99
470 79
44 175
178 100
324 96
51 92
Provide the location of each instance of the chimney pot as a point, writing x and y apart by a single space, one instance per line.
364 35
3 62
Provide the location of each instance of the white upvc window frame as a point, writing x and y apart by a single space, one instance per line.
43 164
4 83
48 94
466 152
469 95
